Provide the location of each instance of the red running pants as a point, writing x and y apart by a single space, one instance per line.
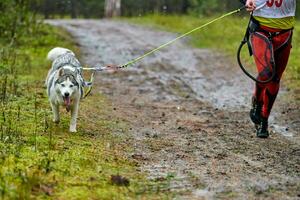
266 51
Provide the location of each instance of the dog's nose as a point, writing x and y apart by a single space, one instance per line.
67 94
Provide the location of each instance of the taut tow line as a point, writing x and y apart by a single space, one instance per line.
131 62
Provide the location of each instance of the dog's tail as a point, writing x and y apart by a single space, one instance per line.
56 52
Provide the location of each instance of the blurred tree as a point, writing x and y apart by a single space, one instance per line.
74 8
298 9
47 9
16 19
201 7
112 8
109 8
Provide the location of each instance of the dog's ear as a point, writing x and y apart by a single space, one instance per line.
61 72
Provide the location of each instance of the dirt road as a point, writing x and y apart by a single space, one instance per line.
187 110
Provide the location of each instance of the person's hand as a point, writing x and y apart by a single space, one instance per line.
250 5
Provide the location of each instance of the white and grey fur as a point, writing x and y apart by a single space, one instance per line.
64 84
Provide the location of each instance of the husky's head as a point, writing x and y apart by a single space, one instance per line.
67 85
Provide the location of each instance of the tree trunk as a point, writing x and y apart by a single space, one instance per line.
185 6
47 8
73 9
112 8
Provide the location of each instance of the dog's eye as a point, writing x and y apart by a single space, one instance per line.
62 85
71 86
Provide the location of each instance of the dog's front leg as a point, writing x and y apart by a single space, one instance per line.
74 113
55 110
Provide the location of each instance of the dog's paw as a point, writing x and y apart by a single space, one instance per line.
73 130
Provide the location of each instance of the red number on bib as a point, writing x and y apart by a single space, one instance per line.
270 3
278 3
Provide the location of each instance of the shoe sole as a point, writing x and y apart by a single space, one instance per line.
262 135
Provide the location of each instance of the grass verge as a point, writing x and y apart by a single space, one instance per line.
224 35
40 160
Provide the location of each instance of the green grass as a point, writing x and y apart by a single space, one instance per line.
224 35
41 160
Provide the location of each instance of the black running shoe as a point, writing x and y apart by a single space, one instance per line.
262 131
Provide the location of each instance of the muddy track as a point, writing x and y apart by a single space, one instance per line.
187 110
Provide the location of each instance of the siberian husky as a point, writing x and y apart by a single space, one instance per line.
64 83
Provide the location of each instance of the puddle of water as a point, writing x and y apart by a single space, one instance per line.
203 193
279 128
282 130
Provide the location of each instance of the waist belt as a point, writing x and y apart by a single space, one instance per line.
271 34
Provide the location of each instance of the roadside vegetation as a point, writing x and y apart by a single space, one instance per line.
41 160
224 36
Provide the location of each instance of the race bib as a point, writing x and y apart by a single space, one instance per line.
275 8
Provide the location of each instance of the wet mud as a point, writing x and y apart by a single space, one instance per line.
187 112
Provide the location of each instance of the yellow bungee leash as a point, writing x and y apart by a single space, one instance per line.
131 62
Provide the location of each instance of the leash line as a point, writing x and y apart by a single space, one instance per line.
178 38
101 68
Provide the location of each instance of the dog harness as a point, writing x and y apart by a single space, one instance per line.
66 59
